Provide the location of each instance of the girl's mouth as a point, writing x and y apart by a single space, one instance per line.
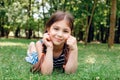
58 40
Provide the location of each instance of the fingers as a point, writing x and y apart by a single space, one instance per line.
46 40
71 42
46 37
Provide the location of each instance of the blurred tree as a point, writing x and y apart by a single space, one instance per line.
112 23
31 16
89 20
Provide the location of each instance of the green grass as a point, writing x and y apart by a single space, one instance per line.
96 62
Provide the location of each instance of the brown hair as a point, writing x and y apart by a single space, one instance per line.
58 16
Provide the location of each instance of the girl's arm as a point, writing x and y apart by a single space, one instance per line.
47 65
72 63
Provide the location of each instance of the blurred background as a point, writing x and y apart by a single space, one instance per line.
95 20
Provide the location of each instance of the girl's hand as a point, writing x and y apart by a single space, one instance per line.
47 41
72 43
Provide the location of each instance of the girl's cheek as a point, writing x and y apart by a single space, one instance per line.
67 36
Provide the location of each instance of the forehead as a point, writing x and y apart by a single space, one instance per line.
62 23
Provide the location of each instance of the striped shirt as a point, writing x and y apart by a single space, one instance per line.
58 62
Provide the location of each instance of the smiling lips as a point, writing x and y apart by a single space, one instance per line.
58 39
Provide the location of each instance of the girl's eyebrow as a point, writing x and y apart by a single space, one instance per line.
56 26
66 29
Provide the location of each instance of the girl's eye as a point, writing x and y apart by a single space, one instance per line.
66 31
56 29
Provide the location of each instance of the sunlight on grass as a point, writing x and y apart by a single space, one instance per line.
90 59
11 44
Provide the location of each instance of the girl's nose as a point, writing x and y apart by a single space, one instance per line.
59 33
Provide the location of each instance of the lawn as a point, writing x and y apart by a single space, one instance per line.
96 62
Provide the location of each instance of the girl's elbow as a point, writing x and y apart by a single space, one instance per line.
70 70
46 72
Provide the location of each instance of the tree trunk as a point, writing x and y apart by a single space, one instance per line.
64 6
117 39
118 31
28 25
91 33
88 25
29 8
112 24
17 32
43 12
2 31
30 33
102 30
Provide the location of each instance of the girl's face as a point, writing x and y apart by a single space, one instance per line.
59 32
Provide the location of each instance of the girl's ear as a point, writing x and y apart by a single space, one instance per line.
48 29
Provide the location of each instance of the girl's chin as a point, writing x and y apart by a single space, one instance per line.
57 43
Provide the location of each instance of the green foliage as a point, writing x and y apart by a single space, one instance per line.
35 14
95 62
118 8
31 24
2 12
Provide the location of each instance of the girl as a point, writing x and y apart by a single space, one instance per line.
58 48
